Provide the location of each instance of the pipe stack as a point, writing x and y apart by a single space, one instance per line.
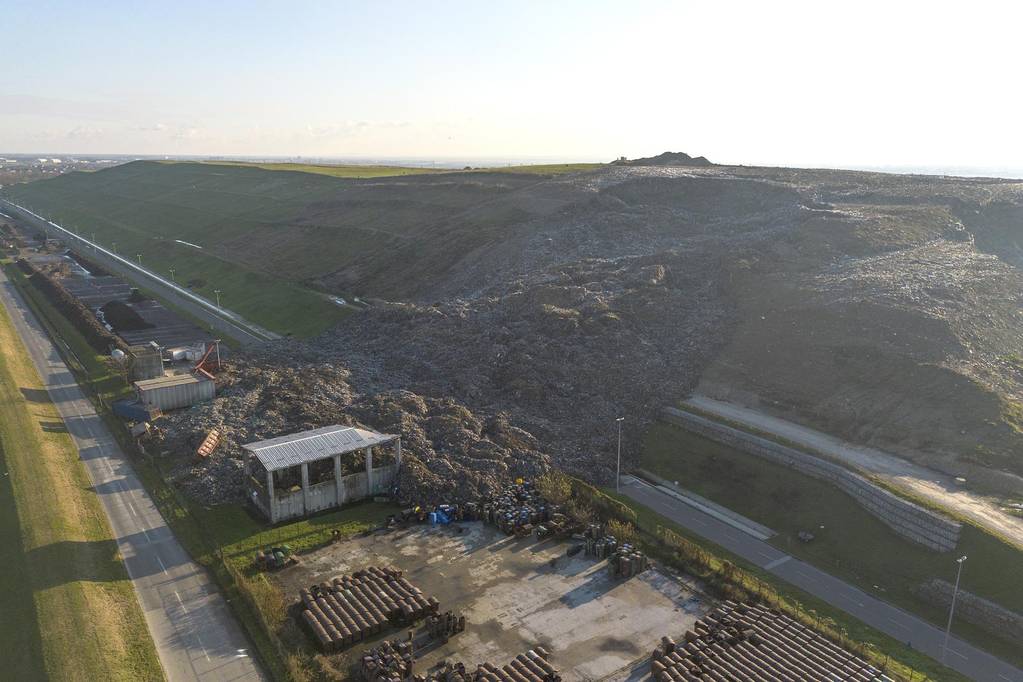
352 607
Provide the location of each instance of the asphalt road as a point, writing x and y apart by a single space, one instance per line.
891 620
195 634
222 319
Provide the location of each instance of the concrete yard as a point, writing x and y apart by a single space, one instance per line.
514 598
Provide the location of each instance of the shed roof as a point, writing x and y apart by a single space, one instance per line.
169 380
308 446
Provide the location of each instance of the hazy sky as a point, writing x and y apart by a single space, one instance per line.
823 83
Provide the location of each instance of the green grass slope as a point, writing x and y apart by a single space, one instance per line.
850 542
271 235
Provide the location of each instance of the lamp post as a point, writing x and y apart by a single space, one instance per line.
139 257
217 292
172 275
113 247
952 607
618 472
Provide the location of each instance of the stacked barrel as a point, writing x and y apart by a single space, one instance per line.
755 644
627 561
445 625
389 662
393 662
353 607
517 509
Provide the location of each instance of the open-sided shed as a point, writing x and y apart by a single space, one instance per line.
301 473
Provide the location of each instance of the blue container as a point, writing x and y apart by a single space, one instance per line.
433 518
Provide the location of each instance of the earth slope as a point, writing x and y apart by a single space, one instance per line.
884 309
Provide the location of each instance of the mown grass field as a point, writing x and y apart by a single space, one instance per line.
849 542
69 611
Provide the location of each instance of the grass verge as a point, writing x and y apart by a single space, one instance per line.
72 612
223 538
849 543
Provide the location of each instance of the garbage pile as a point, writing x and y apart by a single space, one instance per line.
273 558
517 509
353 607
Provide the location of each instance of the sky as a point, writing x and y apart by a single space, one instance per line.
779 83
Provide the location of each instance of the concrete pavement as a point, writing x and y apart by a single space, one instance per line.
891 620
195 634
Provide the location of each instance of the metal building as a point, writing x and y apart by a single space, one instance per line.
172 392
302 473
145 361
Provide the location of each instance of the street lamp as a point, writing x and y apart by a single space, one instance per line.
113 246
952 607
618 473
139 256
172 275
217 292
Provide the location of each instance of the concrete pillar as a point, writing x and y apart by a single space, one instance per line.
339 487
397 454
369 471
305 487
271 502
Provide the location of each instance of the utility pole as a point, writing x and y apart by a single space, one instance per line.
618 472
952 607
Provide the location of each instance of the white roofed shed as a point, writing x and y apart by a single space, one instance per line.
319 484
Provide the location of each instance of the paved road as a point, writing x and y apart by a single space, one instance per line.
196 636
889 619
937 487
226 321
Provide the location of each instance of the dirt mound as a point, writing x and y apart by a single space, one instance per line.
884 309
122 317
666 159
450 452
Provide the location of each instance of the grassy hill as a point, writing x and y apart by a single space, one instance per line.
268 236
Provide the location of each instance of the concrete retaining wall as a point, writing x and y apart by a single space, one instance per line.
909 520
995 619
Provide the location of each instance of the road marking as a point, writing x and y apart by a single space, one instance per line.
953 651
162 567
778 562
898 624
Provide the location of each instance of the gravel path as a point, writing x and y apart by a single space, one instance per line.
915 479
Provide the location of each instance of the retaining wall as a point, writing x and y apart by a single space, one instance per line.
922 526
995 619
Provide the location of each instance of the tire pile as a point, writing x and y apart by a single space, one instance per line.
353 607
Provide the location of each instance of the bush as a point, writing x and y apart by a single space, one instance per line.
101 340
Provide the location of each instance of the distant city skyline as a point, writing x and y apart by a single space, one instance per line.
910 85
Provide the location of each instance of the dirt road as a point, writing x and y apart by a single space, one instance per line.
914 479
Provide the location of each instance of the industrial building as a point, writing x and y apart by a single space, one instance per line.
301 473
172 392
145 361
